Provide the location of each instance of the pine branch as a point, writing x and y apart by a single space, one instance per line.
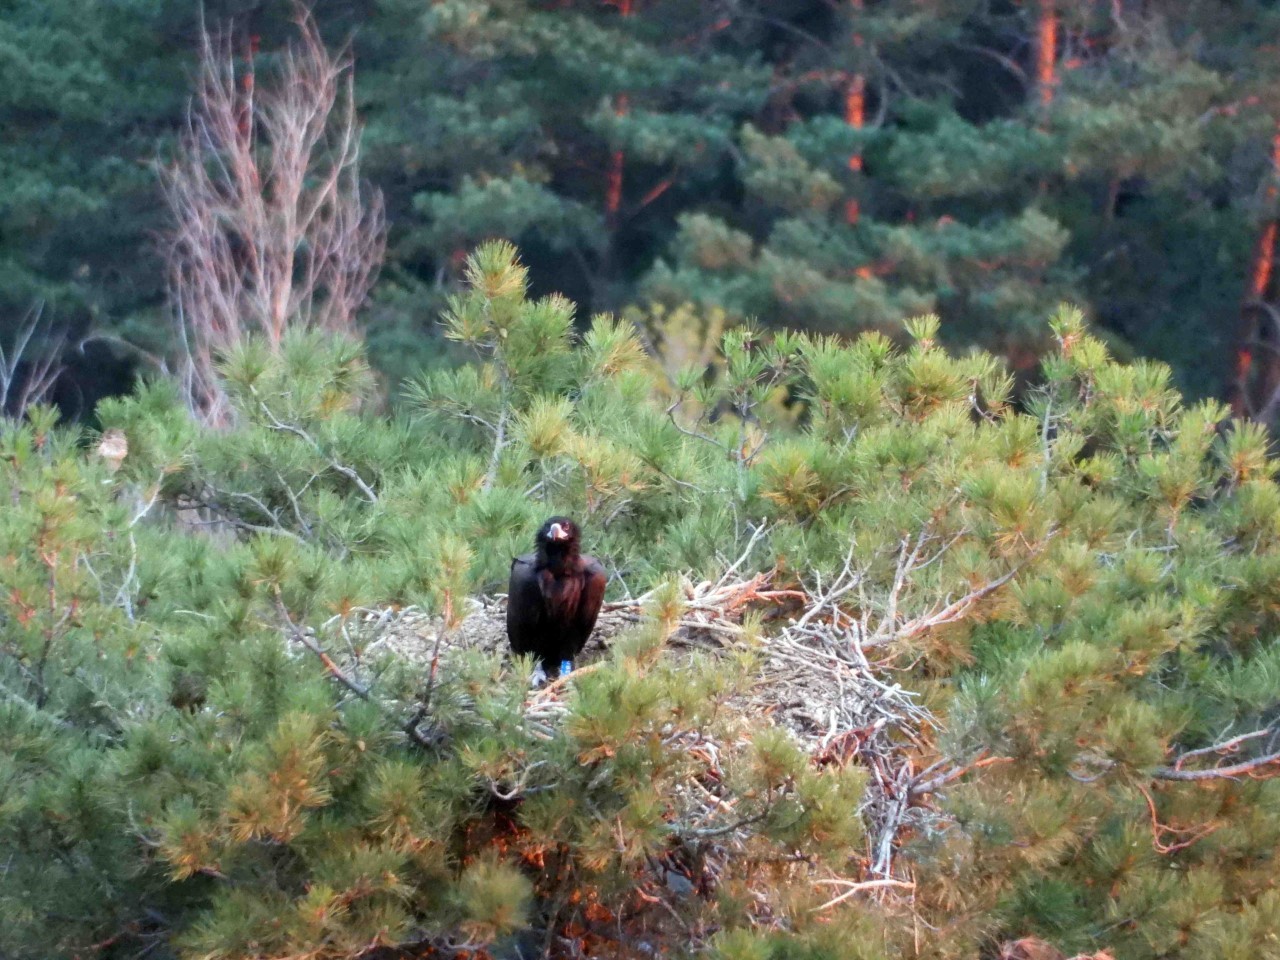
298 634
707 832
499 443
338 466
671 415
213 501
360 690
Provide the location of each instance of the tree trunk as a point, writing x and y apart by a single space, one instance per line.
613 189
855 115
1047 52
1256 376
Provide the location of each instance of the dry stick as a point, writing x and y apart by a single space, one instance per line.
929 786
1221 773
858 886
954 611
1226 746
559 682
757 533
898 799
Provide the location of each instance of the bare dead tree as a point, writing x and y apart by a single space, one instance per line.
31 365
271 228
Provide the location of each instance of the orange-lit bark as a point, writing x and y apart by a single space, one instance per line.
613 189
855 115
1047 52
658 190
1251 331
1264 261
617 163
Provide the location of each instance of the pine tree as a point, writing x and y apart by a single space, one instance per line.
212 749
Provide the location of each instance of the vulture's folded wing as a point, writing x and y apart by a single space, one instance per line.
591 599
525 626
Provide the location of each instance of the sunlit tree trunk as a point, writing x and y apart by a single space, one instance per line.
855 115
1256 376
1047 52
613 192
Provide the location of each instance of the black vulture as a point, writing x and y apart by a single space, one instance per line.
554 597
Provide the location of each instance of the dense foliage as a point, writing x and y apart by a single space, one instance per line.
197 757
835 165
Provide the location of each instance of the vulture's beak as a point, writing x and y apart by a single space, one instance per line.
558 532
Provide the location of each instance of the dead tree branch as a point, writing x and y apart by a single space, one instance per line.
30 368
270 228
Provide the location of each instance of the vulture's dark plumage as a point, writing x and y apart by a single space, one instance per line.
554 597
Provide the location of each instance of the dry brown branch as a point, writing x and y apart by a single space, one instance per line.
270 229
921 787
1180 837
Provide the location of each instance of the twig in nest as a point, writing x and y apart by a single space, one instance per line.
855 887
919 788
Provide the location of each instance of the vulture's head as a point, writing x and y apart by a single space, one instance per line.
558 535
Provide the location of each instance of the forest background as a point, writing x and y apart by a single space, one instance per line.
944 634
833 165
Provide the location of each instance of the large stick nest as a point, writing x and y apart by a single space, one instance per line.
814 680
